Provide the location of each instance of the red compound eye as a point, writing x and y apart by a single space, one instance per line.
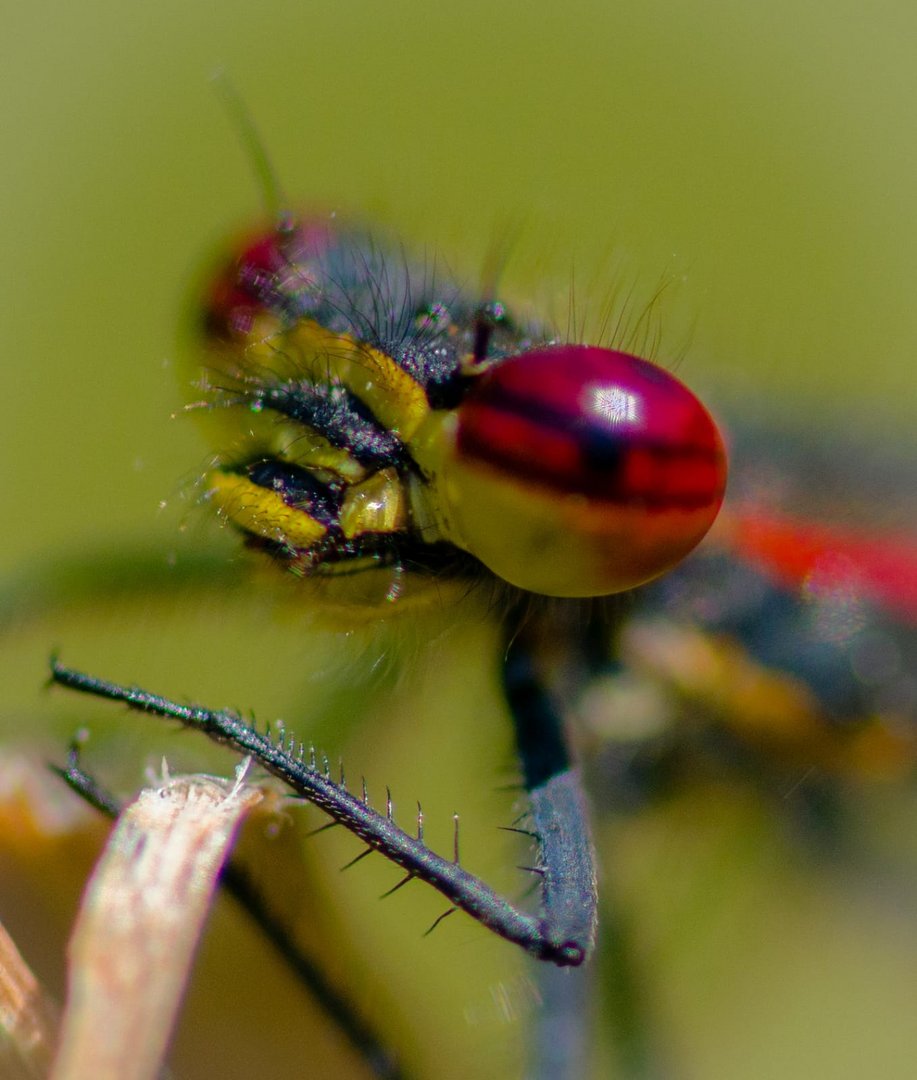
582 471
262 279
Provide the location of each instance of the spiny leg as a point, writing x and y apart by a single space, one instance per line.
563 933
565 930
562 1047
560 826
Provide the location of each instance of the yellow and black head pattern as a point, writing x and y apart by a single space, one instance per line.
379 417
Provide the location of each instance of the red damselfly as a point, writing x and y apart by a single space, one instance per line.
703 731
350 384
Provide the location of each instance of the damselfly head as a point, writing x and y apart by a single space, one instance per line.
381 417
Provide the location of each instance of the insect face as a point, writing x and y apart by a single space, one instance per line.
392 421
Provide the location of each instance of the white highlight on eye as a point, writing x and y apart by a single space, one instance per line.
613 404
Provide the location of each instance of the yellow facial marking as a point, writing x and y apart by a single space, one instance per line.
394 398
376 505
262 512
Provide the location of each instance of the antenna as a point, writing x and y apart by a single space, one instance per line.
272 195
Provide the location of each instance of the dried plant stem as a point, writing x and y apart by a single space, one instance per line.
28 1018
139 924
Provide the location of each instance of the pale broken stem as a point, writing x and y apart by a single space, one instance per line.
139 924
238 884
28 1018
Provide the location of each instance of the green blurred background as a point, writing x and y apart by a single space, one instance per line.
757 158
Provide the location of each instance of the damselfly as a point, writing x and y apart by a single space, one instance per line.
384 426
822 667
395 444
